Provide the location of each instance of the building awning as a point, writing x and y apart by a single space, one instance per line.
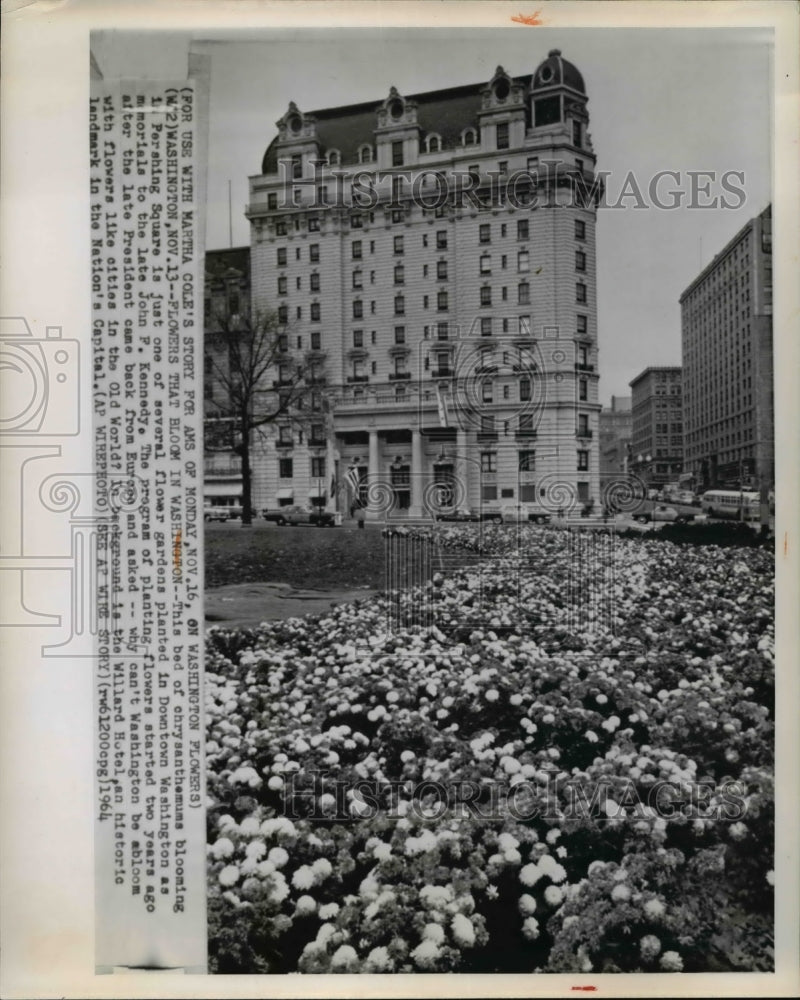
287 493
316 494
232 490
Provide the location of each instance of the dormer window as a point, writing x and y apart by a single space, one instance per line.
396 109
365 154
468 137
434 144
334 158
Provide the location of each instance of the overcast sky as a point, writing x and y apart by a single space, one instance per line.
668 99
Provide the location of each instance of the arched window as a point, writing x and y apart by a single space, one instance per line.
365 154
468 137
334 158
434 143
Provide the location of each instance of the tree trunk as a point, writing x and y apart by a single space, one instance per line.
247 484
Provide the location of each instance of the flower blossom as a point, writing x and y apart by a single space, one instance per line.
671 961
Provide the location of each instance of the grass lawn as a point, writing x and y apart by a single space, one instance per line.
304 557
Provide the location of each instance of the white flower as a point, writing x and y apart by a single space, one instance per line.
306 904
654 908
527 904
515 699
328 911
601 699
405 756
256 849
463 931
530 928
425 954
222 848
426 841
738 831
671 961
553 895
377 960
621 893
344 956
433 932
229 875
278 856
649 946
265 868
507 842
595 866
275 783
321 868
771 877
303 878
492 694
530 875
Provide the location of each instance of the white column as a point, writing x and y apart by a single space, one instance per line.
462 468
373 469
416 473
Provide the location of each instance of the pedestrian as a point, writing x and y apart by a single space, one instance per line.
360 517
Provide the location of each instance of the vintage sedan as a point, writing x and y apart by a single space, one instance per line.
300 515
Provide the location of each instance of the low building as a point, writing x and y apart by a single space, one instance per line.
615 437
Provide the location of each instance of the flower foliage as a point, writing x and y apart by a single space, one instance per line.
608 790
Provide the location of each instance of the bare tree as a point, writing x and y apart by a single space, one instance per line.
263 381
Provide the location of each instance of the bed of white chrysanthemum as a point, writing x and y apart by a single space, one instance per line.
499 792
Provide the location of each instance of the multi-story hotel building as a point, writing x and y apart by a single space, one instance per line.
435 253
657 425
726 320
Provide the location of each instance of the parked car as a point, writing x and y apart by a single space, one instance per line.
516 513
661 512
212 512
300 515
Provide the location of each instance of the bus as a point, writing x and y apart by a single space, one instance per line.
730 503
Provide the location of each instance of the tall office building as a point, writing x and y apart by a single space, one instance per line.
615 436
726 321
657 425
435 254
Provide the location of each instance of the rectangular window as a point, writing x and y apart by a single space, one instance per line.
442 330
487 423
358 369
487 392
502 135
358 338
486 326
356 249
583 461
486 264
313 253
582 324
315 312
523 293
485 233
580 260
583 389
525 423
317 433
283 314
399 305
313 224
580 292
524 390
297 167
400 366
522 229
281 256
441 239
525 326
397 215
488 461
281 285
272 202
398 245
280 228
502 167
314 282
358 309
284 434
580 229
441 301
527 461
397 154
576 133
523 261
441 270
315 340
533 164
318 467
486 295
583 423
356 222
399 275
399 335
285 470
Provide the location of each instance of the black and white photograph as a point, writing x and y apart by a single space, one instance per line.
429 586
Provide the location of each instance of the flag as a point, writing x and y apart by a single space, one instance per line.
442 403
351 478
333 485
